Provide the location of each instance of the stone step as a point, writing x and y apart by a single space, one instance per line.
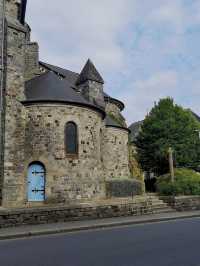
145 198
145 203
167 210
130 200
153 204
158 208
160 205
150 202
152 208
157 202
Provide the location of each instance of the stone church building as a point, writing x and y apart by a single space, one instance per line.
61 135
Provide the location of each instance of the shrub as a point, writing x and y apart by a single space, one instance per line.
119 187
187 182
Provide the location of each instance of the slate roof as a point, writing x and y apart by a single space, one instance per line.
112 123
89 72
69 75
48 87
72 77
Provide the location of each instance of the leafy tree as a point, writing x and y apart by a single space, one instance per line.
168 125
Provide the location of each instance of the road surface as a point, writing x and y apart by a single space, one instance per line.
175 243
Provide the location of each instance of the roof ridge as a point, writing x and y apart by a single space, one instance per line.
61 68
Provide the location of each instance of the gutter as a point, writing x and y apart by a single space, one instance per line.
119 127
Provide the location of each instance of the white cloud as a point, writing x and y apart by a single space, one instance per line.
172 13
145 49
81 29
143 93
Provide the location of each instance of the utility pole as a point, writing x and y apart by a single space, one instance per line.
171 164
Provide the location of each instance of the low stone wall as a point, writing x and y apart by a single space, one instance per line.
43 215
183 203
123 188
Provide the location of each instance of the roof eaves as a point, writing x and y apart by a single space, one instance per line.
57 69
119 127
46 101
119 103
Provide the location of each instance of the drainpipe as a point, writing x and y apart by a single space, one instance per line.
2 83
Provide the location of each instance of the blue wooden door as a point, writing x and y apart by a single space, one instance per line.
36 182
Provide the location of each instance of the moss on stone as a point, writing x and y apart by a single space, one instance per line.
119 120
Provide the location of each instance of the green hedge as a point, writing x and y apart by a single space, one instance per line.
187 182
118 187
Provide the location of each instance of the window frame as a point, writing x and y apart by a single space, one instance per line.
75 153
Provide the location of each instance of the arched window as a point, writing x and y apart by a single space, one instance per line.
71 138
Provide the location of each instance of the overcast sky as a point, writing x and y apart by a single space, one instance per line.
144 49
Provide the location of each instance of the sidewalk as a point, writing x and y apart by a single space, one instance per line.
57 228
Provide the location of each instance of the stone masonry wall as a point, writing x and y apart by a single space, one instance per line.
31 60
12 7
36 133
78 212
114 110
183 203
115 153
15 112
2 87
67 177
93 92
1 37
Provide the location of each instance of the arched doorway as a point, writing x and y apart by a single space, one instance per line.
36 182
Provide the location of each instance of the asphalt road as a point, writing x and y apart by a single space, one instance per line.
175 243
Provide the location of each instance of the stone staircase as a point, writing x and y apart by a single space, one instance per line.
145 204
153 204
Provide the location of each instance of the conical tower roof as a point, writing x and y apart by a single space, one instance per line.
89 72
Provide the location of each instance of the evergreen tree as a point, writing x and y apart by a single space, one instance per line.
168 125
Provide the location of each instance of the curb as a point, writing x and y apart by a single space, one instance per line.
93 227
